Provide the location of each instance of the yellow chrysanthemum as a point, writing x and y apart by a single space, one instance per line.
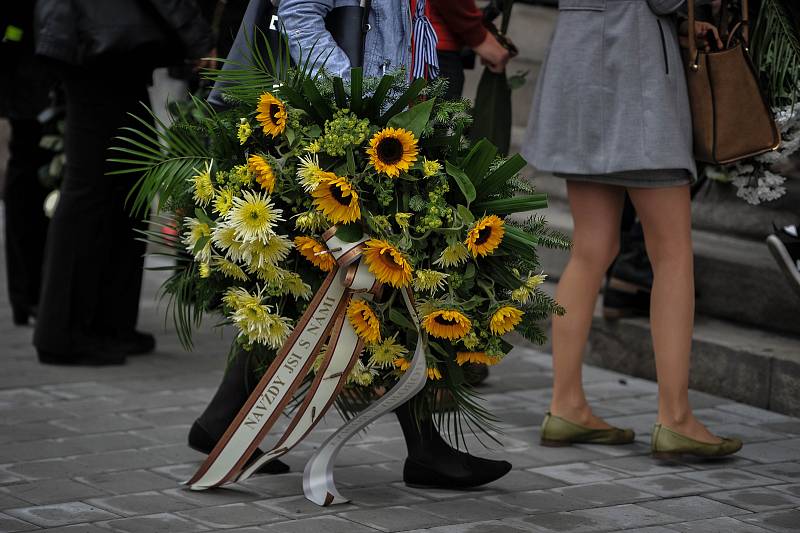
452 256
430 167
197 239
505 319
253 217
387 263
403 220
316 252
384 354
429 280
224 238
255 321
203 187
229 268
392 150
361 375
269 252
434 373
205 270
463 358
293 284
522 295
311 221
485 236
271 115
244 131
364 320
223 201
262 170
309 172
447 324
534 281
337 199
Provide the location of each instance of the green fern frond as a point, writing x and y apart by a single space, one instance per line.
775 45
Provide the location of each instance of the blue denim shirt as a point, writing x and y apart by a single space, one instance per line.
387 46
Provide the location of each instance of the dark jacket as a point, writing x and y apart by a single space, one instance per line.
80 31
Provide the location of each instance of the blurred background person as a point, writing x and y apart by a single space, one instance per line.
24 90
104 53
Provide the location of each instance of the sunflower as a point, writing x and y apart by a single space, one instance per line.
253 217
434 373
447 324
316 252
262 170
505 319
271 114
476 357
402 364
337 199
364 320
387 263
392 150
485 236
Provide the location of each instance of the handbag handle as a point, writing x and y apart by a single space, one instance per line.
693 53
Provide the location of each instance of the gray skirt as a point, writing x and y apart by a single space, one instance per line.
649 179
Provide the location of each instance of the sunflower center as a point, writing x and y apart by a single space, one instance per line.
274 109
339 196
483 235
390 151
439 319
394 263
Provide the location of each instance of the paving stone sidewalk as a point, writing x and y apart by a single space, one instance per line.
91 450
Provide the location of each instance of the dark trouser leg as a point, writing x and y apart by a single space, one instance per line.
91 271
26 223
432 462
238 382
451 67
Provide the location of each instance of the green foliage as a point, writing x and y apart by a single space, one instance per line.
775 45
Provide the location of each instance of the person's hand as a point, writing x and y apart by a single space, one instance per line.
493 54
208 62
700 31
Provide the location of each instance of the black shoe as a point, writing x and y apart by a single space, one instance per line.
432 462
784 244
201 441
20 316
98 354
136 343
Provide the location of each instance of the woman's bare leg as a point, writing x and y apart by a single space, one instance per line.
596 211
665 214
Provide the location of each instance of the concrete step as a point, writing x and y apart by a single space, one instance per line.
749 365
736 279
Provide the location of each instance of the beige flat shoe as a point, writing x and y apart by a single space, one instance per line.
557 431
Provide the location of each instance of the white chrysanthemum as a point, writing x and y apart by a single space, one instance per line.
224 239
294 285
428 280
361 375
269 252
309 172
203 187
253 217
255 320
229 268
311 222
453 255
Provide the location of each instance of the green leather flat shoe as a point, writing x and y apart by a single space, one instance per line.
557 431
668 444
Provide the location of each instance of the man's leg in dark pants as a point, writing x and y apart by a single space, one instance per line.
451 67
93 266
26 223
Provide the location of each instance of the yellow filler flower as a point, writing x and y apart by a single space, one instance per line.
337 199
392 150
316 252
505 319
485 236
262 170
364 320
447 324
271 115
387 263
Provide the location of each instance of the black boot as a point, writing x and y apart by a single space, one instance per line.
432 462
237 384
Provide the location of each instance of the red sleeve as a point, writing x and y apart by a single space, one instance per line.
463 19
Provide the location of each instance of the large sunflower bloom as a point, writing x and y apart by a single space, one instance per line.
387 263
485 236
505 319
392 150
337 199
447 324
262 170
364 320
271 114
315 251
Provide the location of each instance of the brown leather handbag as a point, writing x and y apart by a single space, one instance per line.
730 117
